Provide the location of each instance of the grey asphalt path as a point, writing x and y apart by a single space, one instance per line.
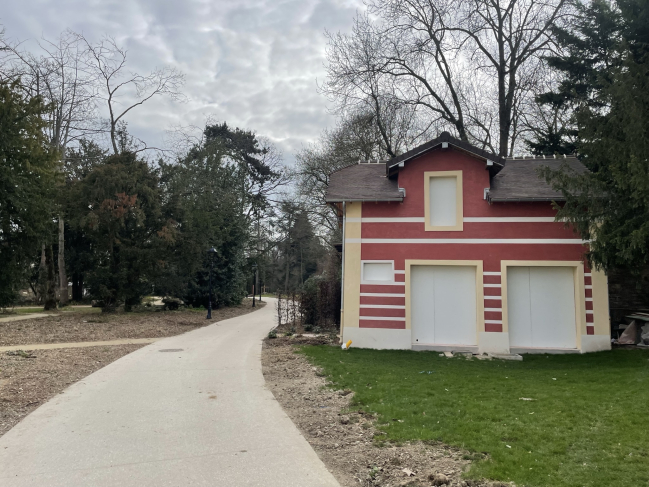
191 410
26 316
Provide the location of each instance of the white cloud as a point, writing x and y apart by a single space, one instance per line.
252 63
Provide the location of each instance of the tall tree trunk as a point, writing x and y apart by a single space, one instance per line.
50 287
42 277
63 277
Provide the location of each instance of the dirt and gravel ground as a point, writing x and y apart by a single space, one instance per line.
344 439
30 378
91 327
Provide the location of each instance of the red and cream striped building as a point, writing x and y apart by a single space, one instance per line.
448 247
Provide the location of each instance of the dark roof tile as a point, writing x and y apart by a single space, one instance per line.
519 180
362 182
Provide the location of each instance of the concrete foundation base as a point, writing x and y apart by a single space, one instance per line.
378 338
595 343
447 348
489 342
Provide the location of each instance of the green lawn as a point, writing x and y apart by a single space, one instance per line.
586 425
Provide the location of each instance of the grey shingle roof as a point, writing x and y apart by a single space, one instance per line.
519 180
362 182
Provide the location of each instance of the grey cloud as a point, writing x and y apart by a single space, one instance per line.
252 63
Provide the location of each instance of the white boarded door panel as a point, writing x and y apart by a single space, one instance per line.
422 304
443 201
455 305
541 307
552 294
443 305
518 306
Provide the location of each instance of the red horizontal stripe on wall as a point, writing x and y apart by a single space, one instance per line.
490 254
492 291
401 313
492 303
589 305
493 315
493 327
590 318
588 281
590 330
382 300
470 230
589 293
370 288
491 279
400 278
395 325
476 207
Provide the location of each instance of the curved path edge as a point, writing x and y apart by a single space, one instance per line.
189 410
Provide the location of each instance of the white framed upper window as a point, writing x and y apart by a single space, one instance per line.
377 272
443 207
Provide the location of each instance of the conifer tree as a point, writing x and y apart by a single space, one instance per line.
29 170
610 204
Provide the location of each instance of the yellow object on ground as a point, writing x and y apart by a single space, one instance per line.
347 345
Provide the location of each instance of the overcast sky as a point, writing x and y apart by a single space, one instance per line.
252 63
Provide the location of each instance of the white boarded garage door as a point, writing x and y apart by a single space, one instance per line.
443 305
541 307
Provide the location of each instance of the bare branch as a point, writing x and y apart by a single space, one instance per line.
107 61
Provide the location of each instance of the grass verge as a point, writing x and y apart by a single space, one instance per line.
551 420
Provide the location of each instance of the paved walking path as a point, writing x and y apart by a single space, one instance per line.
190 410
103 343
25 316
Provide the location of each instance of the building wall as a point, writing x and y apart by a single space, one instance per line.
491 234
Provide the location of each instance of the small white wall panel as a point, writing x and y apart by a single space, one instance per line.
443 201
443 305
541 307
518 306
378 271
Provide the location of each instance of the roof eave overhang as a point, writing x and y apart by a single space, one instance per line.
523 200
368 200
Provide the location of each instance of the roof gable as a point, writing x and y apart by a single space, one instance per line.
444 140
511 179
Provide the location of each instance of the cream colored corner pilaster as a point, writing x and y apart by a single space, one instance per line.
600 303
352 266
601 340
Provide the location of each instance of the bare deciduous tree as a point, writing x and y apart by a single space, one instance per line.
355 139
107 61
358 86
462 64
